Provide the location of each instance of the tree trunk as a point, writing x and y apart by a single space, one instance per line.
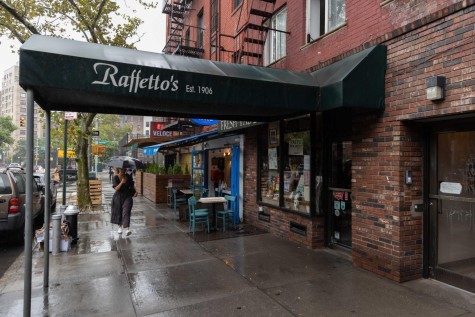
83 195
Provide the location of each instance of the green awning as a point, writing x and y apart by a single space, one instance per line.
69 75
354 82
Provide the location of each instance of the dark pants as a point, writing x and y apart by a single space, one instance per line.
126 210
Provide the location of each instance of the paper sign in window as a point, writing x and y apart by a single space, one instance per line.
450 188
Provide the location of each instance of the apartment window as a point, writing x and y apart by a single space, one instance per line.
214 16
275 47
199 44
236 3
147 124
324 16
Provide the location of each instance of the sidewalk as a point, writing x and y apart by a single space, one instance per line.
160 271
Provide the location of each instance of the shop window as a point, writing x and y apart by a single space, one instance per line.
324 16
296 157
275 46
285 159
269 169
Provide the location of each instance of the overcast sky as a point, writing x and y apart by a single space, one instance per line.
152 41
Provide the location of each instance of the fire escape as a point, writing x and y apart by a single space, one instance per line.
183 39
251 31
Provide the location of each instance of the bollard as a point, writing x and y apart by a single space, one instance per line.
56 234
71 214
62 208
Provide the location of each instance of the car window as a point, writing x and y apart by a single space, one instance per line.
5 187
20 182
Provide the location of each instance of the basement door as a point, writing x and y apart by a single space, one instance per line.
452 207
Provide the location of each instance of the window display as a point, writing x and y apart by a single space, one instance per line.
288 186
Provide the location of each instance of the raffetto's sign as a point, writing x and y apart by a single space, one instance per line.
110 75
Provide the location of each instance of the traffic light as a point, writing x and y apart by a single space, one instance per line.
22 121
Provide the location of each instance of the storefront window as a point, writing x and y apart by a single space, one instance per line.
285 165
270 180
296 154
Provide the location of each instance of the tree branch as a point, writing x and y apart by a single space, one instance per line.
20 19
80 16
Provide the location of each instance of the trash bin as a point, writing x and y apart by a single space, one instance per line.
99 167
71 217
92 175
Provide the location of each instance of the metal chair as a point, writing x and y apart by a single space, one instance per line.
177 200
197 215
228 211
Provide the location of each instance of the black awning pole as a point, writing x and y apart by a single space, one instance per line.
65 154
47 197
30 112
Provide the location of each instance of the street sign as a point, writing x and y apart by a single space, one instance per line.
96 138
70 115
95 133
103 142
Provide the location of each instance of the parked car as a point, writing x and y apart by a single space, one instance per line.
40 180
13 199
16 166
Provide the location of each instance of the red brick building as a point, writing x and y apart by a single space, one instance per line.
393 179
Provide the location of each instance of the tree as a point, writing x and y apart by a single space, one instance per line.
6 139
20 150
96 21
6 129
111 131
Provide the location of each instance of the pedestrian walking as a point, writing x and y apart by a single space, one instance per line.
111 172
122 202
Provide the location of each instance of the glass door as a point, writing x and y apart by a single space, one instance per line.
452 207
340 193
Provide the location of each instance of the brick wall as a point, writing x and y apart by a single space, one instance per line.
387 239
366 21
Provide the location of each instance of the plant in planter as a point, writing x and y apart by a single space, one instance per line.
177 169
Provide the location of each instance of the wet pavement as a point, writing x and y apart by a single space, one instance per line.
161 271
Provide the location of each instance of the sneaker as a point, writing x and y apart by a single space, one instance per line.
120 230
128 233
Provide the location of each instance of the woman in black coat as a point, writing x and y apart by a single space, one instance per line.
122 202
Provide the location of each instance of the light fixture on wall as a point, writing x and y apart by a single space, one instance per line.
435 88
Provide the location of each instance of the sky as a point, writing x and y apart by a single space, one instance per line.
153 40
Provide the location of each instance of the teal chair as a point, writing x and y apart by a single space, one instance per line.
197 215
228 211
177 200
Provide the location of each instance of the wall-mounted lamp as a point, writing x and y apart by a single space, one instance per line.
435 88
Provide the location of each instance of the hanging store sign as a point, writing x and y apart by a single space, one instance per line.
228 125
156 129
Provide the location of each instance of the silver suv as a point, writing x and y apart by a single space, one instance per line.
12 200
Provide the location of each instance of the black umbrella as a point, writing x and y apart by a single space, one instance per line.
124 162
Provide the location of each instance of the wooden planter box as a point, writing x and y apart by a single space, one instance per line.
139 182
155 186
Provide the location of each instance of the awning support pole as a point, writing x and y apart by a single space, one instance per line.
30 112
65 154
47 197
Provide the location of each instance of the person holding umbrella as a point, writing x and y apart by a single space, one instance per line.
122 202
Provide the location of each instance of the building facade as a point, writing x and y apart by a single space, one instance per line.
13 105
393 182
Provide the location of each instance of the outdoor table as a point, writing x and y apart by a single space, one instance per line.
213 201
186 191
